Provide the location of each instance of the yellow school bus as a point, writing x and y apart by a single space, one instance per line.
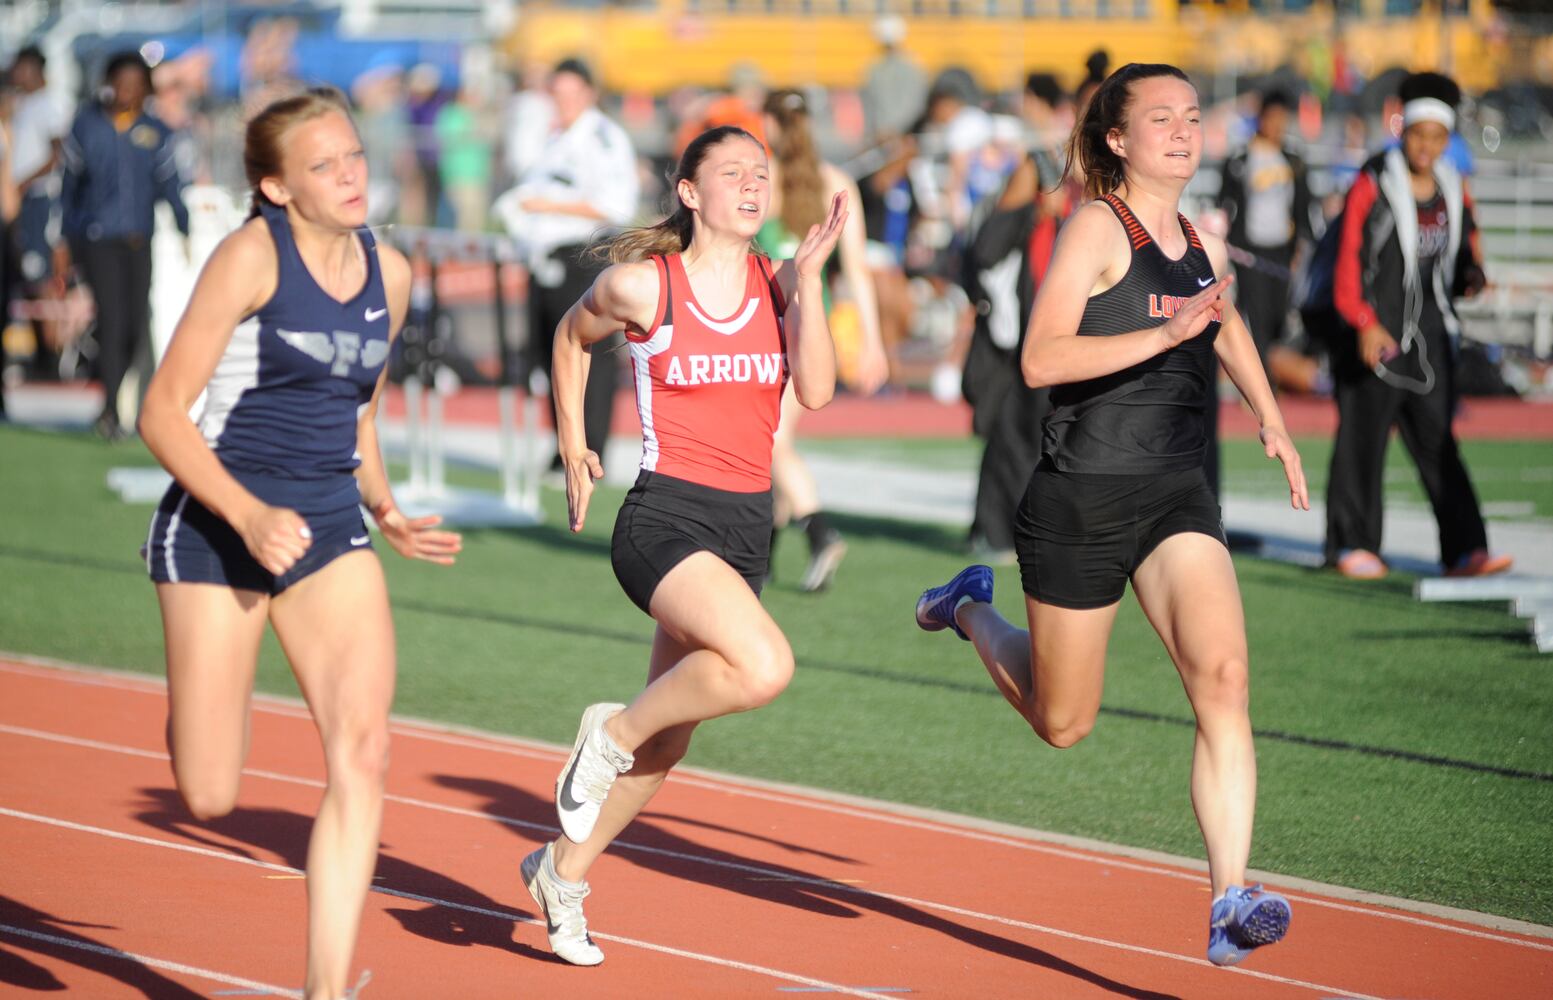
654 46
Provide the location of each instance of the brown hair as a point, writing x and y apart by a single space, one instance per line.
798 162
1089 152
263 140
672 234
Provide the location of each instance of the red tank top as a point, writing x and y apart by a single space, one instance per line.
709 390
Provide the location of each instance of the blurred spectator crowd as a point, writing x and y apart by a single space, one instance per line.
936 158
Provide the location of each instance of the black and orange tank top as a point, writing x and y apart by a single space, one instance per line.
1147 418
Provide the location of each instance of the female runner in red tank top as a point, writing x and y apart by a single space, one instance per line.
715 334
1126 329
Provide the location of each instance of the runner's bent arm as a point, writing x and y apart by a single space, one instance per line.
1238 354
239 278
811 354
624 296
1092 247
413 539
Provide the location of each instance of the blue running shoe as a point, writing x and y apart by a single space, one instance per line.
1243 920
935 608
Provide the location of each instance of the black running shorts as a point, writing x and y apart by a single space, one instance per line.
1081 536
664 519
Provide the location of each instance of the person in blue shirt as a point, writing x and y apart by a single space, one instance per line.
118 164
264 413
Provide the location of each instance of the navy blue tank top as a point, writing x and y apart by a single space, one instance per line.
1147 418
280 410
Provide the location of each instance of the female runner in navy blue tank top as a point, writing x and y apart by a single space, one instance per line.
285 339
1126 330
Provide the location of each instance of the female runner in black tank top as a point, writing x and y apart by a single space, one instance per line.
1126 329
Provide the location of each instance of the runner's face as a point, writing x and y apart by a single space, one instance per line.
1423 143
1164 129
324 170
733 188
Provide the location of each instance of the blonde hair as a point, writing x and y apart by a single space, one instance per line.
264 138
798 162
673 233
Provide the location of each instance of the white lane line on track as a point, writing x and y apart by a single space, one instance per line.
833 886
250 987
517 918
534 750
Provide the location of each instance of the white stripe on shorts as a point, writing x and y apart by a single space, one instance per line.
151 537
172 532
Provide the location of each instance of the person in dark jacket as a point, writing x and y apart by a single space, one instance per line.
1004 263
1408 244
1266 196
10 205
118 163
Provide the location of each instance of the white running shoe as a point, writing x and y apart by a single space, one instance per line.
823 564
561 905
594 765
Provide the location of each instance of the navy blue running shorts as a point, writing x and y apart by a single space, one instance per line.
188 543
1081 536
663 520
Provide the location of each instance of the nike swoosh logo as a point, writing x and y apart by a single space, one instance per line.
361 540
373 315
567 802
1201 283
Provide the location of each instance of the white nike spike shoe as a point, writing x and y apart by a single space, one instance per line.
585 781
560 903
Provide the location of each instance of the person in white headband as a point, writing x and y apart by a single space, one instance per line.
1428 109
1408 248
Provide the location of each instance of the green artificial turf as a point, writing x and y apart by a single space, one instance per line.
1404 748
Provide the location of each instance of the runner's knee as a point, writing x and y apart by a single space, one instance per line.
358 755
765 668
1221 685
1061 730
208 797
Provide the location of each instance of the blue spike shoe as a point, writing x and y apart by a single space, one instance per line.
935 608
1243 920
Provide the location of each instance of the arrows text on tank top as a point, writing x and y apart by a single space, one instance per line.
706 369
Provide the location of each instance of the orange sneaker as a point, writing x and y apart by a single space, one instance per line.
1361 564
1479 563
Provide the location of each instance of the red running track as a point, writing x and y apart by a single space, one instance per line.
724 889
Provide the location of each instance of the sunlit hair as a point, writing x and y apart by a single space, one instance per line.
264 139
1089 154
797 161
672 235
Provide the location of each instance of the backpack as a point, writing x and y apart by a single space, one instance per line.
1324 325
1315 290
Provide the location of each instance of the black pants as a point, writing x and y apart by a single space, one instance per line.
1013 449
1367 409
1263 299
119 274
10 282
546 306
